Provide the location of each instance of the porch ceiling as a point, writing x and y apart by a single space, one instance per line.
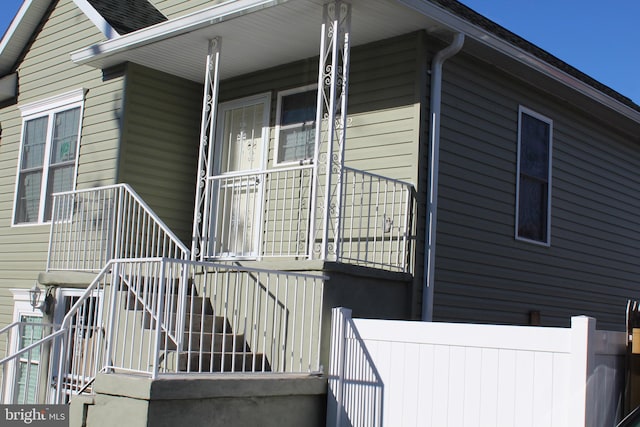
255 35
258 34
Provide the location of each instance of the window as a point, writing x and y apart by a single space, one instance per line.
533 192
296 124
48 155
27 370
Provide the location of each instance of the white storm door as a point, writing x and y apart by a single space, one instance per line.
241 149
84 348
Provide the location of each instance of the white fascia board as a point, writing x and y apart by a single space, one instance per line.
458 24
206 17
15 23
97 19
20 31
8 86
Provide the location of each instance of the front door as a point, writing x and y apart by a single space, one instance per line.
236 188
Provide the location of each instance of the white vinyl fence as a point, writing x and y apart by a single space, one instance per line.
403 373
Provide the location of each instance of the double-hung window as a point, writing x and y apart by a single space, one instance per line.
533 192
296 125
48 155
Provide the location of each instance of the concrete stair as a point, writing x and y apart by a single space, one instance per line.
213 345
212 362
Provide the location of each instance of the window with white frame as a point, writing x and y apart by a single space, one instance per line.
48 155
533 192
296 124
26 370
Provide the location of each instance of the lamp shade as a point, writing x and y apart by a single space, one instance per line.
34 296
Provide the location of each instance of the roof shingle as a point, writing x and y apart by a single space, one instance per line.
128 16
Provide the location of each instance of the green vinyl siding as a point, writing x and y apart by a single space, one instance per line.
45 71
482 273
384 106
160 144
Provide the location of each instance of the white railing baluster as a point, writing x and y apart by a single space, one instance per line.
377 224
90 227
142 298
281 214
267 201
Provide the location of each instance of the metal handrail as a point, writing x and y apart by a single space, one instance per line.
264 213
4 362
30 347
278 320
117 223
376 219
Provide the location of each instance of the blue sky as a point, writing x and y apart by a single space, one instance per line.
8 9
601 39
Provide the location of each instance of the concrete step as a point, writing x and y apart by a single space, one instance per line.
173 287
195 323
198 305
213 362
215 342
206 323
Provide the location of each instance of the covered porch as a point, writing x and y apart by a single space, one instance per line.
274 176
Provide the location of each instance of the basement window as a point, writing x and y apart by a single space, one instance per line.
48 155
533 188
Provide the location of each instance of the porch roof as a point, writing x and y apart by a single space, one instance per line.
255 34
258 34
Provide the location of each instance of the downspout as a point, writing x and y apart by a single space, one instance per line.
434 164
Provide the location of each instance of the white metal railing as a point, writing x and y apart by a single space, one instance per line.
375 220
90 227
80 355
161 316
259 214
249 320
59 360
269 214
142 306
26 370
172 316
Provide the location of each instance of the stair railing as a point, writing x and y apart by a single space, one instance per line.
167 316
163 316
27 365
142 316
242 319
90 227
81 352
119 324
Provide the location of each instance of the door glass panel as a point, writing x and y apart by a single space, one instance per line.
242 138
236 189
28 371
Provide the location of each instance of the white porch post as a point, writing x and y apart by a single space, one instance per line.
200 235
331 120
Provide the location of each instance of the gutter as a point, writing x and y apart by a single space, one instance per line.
434 165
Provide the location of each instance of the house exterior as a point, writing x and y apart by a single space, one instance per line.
245 166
